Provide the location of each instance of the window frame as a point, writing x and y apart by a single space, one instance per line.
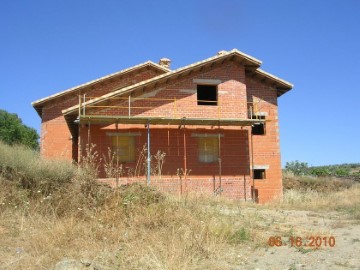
127 142
210 155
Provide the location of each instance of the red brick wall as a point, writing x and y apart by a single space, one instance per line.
203 177
233 144
234 93
238 188
267 147
56 140
231 97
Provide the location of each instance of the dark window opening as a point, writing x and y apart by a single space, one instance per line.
259 174
207 95
258 128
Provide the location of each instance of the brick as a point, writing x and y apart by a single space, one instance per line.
236 147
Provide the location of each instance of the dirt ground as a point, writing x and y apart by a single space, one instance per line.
345 254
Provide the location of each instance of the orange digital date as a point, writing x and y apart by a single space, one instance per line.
312 241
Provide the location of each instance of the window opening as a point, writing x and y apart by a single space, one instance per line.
258 128
259 174
124 148
207 95
208 149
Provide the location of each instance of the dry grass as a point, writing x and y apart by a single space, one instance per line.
316 194
327 184
133 227
139 228
25 168
347 201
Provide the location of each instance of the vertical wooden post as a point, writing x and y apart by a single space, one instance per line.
79 106
252 167
117 154
129 106
84 100
88 135
219 158
79 133
148 155
185 161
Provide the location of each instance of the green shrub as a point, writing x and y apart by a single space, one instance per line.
319 171
342 172
297 167
239 236
302 168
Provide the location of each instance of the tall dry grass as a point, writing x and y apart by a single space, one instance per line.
62 212
134 228
24 167
319 194
50 210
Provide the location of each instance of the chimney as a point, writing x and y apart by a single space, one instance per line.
165 62
222 52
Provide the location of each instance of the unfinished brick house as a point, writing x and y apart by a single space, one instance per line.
209 127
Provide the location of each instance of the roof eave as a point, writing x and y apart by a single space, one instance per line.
280 91
279 84
42 101
38 110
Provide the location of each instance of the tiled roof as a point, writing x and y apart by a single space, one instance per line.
78 87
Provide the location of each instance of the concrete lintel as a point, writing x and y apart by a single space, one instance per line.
207 81
261 167
261 113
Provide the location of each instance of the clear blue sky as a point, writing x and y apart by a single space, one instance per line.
48 46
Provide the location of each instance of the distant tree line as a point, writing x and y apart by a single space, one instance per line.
13 131
302 168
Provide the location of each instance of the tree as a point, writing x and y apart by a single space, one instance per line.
297 167
13 131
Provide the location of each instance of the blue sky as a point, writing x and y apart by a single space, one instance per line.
49 46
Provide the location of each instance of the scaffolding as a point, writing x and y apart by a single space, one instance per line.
175 112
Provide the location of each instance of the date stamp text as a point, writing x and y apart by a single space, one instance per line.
311 241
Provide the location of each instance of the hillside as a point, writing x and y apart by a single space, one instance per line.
52 213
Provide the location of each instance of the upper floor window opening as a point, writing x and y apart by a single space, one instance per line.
258 128
207 95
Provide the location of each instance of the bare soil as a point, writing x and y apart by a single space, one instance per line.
305 224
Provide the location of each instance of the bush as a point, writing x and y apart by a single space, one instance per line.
302 168
297 167
239 236
319 171
342 172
